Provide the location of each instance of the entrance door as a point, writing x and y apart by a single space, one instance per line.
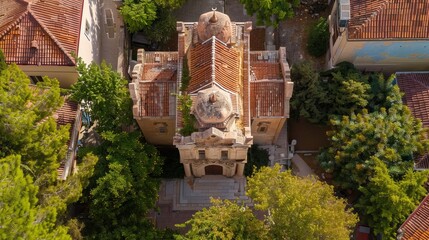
213 170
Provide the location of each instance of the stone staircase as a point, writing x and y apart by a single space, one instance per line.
195 194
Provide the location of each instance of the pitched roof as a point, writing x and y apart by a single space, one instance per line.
66 114
40 32
381 19
416 88
213 62
417 224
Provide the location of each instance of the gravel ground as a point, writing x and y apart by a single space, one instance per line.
292 34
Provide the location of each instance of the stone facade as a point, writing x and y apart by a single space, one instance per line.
238 96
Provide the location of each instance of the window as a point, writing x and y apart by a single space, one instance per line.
161 127
224 155
263 127
36 79
201 154
87 27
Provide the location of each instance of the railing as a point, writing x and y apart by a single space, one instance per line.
71 152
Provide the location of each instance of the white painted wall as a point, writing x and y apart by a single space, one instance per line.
89 41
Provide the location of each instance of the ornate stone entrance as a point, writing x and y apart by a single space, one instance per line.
213 170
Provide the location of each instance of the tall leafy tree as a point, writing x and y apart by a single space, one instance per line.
124 189
27 126
270 12
308 94
299 208
103 93
20 216
386 203
393 136
340 91
154 18
138 14
384 92
225 220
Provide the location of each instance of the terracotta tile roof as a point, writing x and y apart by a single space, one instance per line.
66 114
155 72
42 32
158 84
213 62
157 99
417 224
422 162
266 98
416 89
384 19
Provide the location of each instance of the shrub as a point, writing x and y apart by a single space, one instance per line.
318 38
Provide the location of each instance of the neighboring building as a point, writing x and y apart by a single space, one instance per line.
380 35
417 224
239 97
415 85
41 36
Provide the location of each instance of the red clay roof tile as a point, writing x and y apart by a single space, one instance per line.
267 98
214 62
389 19
416 89
43 32
417 224
158 84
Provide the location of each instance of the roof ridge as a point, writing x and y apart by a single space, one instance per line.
2 34
213 59
46 29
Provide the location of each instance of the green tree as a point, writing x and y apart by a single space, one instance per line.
384 92
393 136
138 14
318 38
3 64
299 208
20 216
340 91
103 93
153 17
27 126
270 12
308 94
385 203
225 220
124 188
346 93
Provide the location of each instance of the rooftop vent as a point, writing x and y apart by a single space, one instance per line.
344 16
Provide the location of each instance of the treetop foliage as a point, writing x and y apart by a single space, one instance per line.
103 93
21 217
225 220
270 12
27 126
386 203
388 135
299 208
